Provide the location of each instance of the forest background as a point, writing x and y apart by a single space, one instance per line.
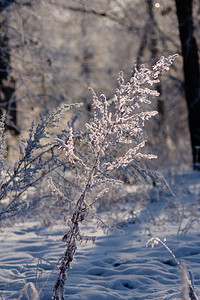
52 51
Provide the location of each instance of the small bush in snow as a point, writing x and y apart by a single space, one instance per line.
115 140
87 163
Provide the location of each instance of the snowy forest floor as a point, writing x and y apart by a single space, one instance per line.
118 265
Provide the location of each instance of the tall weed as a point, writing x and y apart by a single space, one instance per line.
87 163
114 141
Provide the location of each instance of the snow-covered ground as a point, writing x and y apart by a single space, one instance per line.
118 265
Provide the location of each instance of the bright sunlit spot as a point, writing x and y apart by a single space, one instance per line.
157 5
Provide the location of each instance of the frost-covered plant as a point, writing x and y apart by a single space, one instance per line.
187 287
2 144
38 158
115 140
30 292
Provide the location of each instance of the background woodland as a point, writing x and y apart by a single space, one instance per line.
52 51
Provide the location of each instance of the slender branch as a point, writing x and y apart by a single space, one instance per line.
120 20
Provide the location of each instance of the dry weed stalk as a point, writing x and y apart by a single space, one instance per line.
115 141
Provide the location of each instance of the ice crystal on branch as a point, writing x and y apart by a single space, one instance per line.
2 143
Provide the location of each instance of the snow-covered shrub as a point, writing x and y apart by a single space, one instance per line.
37 159
81 166
114 140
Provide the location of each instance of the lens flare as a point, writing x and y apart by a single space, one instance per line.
157 5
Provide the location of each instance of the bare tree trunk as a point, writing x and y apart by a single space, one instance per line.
154 55
85 60
7 83
191 74
149 39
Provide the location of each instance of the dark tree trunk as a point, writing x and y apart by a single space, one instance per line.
191 74
150 41
7 83
154 54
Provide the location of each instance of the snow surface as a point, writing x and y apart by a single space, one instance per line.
118 265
